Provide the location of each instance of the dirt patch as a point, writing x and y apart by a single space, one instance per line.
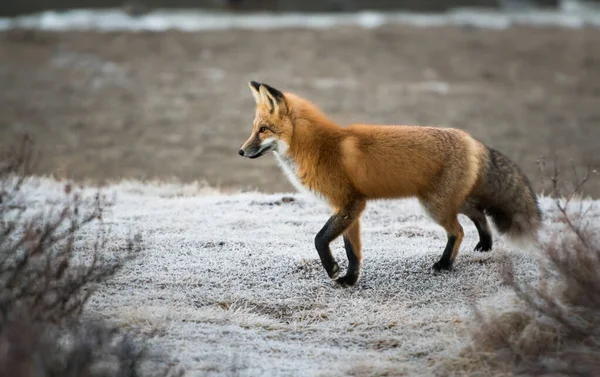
105 106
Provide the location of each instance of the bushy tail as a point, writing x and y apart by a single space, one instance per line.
508 198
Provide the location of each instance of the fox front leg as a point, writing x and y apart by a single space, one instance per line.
337 224
354 253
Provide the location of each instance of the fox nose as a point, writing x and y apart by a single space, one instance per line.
241 152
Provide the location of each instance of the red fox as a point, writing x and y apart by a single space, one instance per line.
445 168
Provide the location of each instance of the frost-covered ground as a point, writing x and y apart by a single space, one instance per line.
230 283
571 14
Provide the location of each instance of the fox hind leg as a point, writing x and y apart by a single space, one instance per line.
455 235
478 218
446 217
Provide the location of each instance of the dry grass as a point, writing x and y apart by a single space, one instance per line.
551 325
233 281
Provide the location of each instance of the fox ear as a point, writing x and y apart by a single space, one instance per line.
254 87
272 97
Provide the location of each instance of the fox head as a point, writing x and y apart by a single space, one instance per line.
272 127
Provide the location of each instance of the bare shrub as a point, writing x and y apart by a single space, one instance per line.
553 328
47 274
43 270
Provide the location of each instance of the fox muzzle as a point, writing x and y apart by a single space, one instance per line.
254 148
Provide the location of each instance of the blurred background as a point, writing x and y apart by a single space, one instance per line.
169 100
14 7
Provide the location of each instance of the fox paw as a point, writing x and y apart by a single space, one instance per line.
483 246
442 265
347 280
334 272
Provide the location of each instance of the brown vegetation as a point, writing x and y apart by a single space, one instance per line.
46 278
554 327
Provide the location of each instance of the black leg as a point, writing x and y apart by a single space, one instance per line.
445 262
334 227
485 238
353 252
478 218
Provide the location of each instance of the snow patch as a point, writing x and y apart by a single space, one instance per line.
570 15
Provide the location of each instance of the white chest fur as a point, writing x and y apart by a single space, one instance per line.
290 169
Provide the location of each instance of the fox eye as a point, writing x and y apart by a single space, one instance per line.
262 129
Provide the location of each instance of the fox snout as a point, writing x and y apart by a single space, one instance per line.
251 149
255 147
250 153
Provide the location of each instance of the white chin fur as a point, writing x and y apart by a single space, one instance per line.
268 143
280 146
